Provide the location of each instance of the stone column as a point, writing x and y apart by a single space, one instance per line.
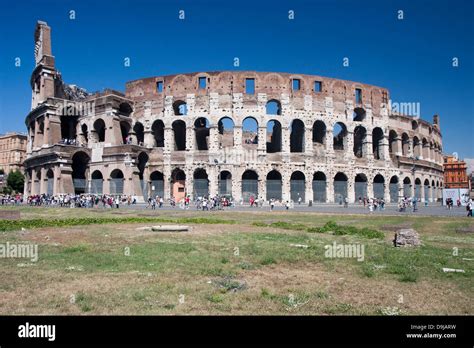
213 141
367 145
43 182
148 138
308 194
330 189
386 191
351 188
286 187
237 189
308 141
166 183
329 141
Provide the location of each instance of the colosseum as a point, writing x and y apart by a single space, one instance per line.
237 133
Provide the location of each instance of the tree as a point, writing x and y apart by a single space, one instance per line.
16 181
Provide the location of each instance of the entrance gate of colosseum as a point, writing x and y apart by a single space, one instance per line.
360 186
80 161
418 189
116 182
297 187
274 185
319 187
50 178
407 187
379 186
340 188
178 185
393 188
249 185
157 187
201 184
97 183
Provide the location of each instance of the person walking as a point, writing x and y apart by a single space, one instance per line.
469 208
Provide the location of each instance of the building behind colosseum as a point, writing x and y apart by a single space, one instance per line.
238 133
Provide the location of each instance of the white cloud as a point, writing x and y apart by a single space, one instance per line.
470 165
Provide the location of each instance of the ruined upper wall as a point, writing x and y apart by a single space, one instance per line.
274 85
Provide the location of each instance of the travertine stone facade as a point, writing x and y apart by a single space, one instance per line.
240 133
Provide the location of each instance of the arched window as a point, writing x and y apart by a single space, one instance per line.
180 108
297 136
179 130
360 138
339 136
274 185
358 115
139 132
158 131
319 187
273 136
273 107
99 128
297 187
226 132
250 132
201 131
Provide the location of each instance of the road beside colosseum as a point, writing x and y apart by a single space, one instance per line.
235 262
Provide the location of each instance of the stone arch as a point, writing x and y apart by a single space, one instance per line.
273 107
226 132
360 139
319 187
50 182
99 128
416 147
80 164
97 182
225 183
393 142
339 136
158 131
297 130
319 132
249 185
340 187
359 115
393 189
274 140
180 108
139 133
298 186
407 187
201 183
201 132
377 142
179 130
250 132
125 131
157 184
274 185
379 186
405 144
360 186
117 181
178 184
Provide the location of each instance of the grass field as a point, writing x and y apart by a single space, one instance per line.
233 263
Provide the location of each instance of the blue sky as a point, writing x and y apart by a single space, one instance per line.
411 57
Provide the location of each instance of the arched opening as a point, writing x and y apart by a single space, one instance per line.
157 184
249 185
319 187
340 187
180 108
319 132
37 182
273 136
99 128
116 182
226 132
416 147
360 138
85 134
179 130
225 183
427 192
139 133
393 188
201 131
97 182
141 165
178 184
250 132
405 144
339 136
426 149
379 186
274 185
273 107
80 162
297 136
158 131
377 143
360 186
125 109
201 183
407 187
414 125
125 130
297 187
393 142
418 188
50 182
68 129
358 115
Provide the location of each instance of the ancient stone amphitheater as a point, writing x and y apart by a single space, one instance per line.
236 133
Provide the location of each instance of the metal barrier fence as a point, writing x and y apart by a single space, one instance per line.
201 187
80 185
274 188
379 189
360 190
116 186
50 186
249 188
319 191
393 188
97 186
157 188
406 190
297 190
225 187
340 191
